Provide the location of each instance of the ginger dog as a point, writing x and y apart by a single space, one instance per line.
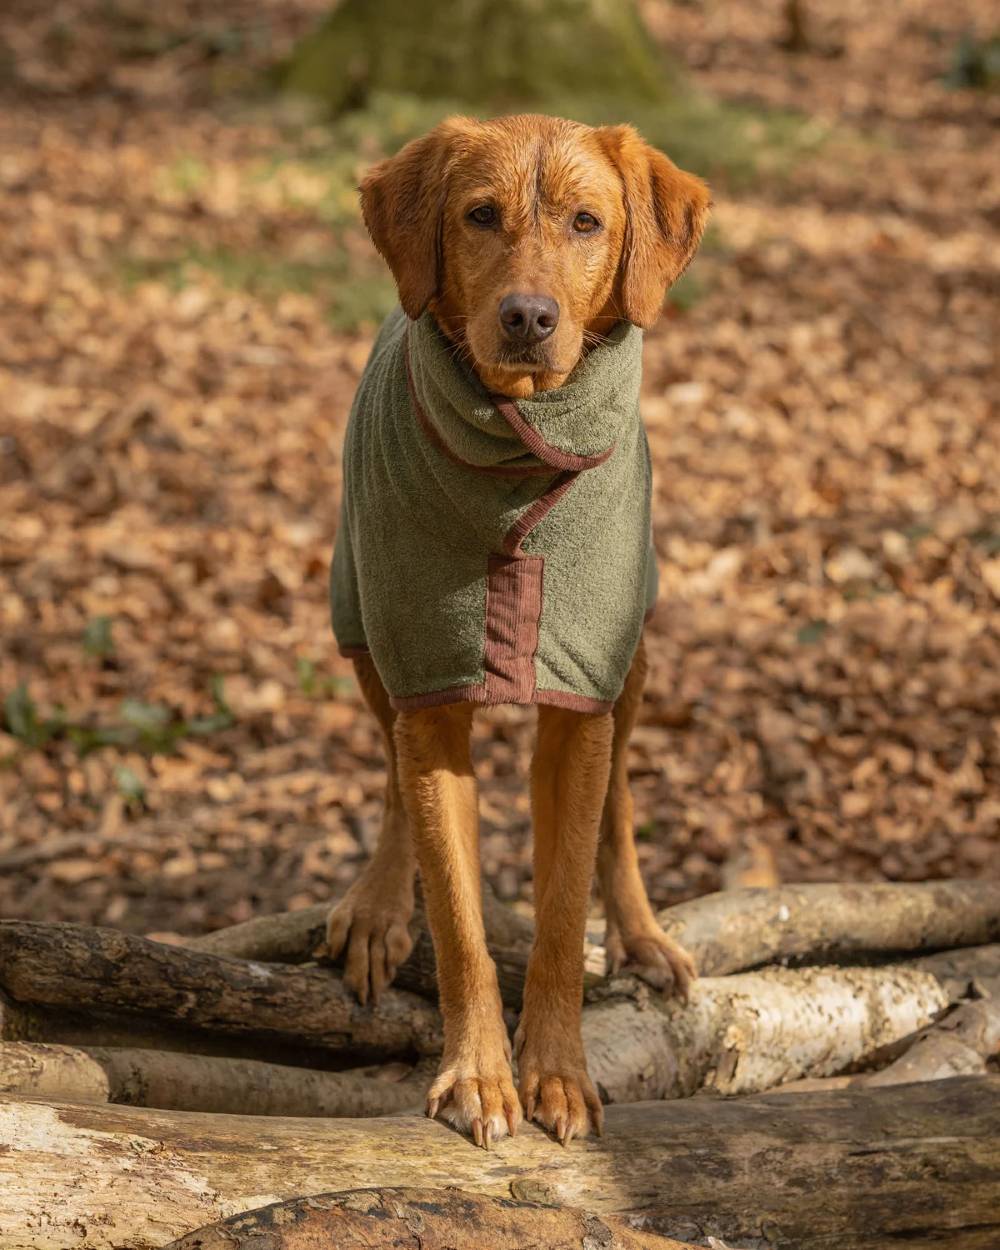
529 239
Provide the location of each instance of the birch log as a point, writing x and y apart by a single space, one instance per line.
739 929
736 1035
747 1033
914 1164
730 931
179 1082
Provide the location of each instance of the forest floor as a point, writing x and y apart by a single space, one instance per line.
186 303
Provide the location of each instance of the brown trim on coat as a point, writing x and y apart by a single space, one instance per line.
513 613
433 435
534 442
352 651
575 702
536 512
477 695
438 698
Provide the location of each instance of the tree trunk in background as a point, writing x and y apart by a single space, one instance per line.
480 53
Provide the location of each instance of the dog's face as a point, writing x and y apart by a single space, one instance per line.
529 237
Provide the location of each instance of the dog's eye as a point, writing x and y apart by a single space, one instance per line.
484 215
585 223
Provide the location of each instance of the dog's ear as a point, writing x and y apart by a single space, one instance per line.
666 210
402 201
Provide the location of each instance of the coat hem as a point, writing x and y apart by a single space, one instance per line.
479 694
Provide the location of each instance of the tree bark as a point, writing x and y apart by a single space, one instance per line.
960 1043
177 1082
972 973
298 936
730 931
737 1034
747 1033
69 966
739 929
916 1163
424 1219
89 1026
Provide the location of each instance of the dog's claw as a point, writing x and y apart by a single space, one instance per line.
486 1108
565 1104
653 956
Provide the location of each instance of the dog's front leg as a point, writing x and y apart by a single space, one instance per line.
371 922
568 784
474 1090
634 940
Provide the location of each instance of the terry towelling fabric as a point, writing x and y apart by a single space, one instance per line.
491 550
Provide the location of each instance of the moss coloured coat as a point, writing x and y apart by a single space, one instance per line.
491 550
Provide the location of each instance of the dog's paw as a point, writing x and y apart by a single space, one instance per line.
371 921
486 1107
560 1098
652 955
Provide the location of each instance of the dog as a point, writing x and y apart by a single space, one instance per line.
528 252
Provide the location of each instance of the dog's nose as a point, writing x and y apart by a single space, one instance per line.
528 318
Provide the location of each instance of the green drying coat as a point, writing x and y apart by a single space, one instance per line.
493 550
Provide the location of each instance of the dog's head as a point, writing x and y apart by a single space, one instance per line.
528 237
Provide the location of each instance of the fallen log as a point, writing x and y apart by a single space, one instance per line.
178 1082
431 1219
914 1163
739 929
747 1033
730 931
737 1034
90 1026
299 936
960 1043
972 973
69 965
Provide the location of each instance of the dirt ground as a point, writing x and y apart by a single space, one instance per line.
184 748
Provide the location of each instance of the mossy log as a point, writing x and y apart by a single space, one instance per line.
918 1164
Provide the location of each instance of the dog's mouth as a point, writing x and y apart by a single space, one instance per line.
527 358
